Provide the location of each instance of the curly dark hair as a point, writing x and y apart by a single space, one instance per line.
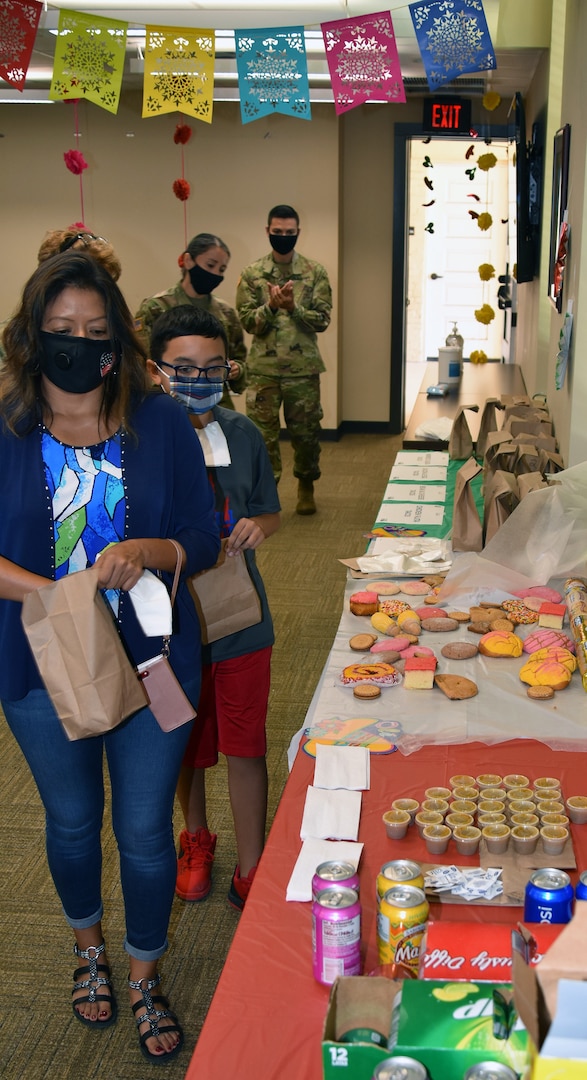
22 402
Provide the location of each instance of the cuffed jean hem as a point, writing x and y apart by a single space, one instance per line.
84 924
145 954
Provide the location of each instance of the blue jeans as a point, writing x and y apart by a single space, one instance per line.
144 764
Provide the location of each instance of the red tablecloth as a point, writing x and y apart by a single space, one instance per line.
266 1017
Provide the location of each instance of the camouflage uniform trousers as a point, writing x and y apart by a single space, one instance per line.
302 411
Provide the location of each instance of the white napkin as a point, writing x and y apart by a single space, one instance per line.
396 555
331 814
312 854
214 444
342 767
152 605
435 429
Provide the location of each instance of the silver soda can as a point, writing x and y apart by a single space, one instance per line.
332 873
490 1070
336 934
400 1068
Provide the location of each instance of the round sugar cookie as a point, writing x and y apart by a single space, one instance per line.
459 616
362 642
439 626
502 624
459 650
393 607
385 588
544 592
415 588
367 691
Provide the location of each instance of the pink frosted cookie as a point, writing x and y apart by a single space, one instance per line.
415 588
431 613
364 603
416 651
544 639
398 644
542 591
393 607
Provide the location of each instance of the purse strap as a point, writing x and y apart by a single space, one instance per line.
178 554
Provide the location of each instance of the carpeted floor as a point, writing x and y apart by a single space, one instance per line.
41 1038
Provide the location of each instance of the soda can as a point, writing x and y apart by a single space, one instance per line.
332 873
336 934
401 923
400 1068
549 897
581 889
399 872
490 1070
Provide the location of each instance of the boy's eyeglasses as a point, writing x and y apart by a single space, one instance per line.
85 239
217 373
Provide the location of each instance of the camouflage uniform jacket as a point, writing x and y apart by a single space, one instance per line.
284 343
156 305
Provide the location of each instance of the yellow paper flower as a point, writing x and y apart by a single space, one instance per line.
487 162
491 100
484 221
478 357
486 271
485 314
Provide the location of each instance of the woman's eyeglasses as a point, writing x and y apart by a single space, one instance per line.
85 238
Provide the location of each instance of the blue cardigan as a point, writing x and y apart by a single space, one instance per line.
167 494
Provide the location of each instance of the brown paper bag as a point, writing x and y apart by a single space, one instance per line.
501 497
528 482
467 530
79 654
488 424
460 444
225 597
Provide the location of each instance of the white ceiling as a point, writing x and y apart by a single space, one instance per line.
514 71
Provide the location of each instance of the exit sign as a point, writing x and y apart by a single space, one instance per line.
446 116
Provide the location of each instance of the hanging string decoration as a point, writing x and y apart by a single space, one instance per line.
179 72
453 39
363 61
74 159
272 71
89 59
181 187
19 20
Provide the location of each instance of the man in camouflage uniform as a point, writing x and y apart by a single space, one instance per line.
284 300
184 293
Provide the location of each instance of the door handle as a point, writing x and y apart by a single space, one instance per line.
435 277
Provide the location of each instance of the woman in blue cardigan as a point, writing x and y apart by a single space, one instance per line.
93 462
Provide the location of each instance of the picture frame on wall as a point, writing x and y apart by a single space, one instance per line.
558 218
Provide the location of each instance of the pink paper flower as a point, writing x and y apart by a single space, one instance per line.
75 161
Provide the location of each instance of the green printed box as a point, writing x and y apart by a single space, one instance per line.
450 1026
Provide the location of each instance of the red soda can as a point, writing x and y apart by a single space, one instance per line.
336 934
334 872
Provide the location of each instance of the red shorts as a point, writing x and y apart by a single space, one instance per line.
232 710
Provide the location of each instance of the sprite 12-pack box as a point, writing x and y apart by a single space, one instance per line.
450 1026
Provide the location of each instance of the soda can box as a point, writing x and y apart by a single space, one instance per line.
449 1027
473 952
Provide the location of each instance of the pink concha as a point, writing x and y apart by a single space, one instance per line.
416 650
431 613
543 591
544 639
398 644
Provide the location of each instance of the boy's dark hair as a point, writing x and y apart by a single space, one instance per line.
184 321
283 211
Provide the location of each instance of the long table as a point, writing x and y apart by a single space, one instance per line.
267 1014
478 383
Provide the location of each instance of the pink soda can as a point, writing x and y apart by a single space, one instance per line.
336 934
334 872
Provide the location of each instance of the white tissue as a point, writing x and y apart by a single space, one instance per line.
152 605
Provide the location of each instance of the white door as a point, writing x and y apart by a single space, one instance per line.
446 246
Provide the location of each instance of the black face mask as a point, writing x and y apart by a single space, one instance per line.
283 244
75 364
203 282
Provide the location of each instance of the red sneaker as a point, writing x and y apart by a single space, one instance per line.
194 864
239 888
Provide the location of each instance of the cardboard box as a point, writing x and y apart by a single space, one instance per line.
536 994
449 1026
355 1060
475 951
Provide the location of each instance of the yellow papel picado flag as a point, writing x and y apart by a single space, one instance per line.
179 72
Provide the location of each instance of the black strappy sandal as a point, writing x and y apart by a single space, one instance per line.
152 1016
98 975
